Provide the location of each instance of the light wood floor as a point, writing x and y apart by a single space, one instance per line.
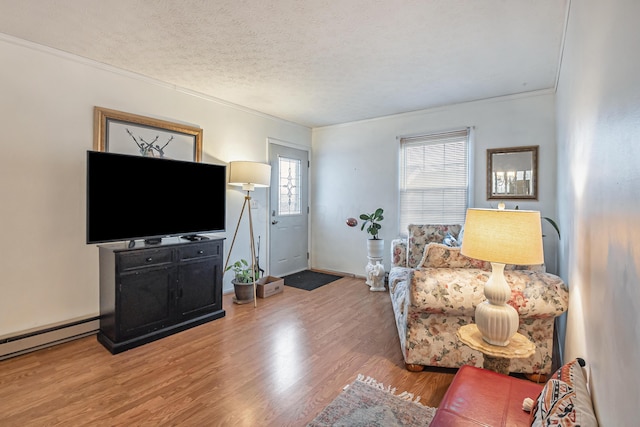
275 365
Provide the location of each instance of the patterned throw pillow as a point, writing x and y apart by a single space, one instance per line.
420 235
564 400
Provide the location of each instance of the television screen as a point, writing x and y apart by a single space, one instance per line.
135 197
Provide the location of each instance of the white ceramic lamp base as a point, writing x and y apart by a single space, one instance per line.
497 320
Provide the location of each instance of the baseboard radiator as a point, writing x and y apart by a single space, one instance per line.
11 346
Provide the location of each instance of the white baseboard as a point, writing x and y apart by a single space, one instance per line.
48 336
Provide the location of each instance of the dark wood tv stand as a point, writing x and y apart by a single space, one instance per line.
148 292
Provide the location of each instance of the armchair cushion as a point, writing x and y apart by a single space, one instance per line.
457 292
438 255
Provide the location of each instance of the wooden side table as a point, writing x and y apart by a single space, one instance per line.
496 358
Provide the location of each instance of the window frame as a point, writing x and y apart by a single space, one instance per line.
434 137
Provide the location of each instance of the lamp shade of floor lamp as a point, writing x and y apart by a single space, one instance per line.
501 237
249 175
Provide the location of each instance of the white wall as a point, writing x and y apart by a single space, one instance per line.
49 274
355 167
599 145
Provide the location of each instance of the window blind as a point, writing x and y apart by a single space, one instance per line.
434 183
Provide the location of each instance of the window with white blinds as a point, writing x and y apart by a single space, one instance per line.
434 178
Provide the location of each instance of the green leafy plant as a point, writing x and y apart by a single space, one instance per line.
553 224
372 222
242 271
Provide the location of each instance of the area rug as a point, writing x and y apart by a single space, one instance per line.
309 280
366 402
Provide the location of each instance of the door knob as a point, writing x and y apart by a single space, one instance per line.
274 222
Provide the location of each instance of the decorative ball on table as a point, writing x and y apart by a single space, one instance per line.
352 222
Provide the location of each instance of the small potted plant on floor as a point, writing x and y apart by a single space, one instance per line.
242 280
375 245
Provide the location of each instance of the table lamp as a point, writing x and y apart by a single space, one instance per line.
501 237
248 175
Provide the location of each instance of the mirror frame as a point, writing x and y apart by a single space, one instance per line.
533 149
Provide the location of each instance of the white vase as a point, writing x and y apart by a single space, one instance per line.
375 248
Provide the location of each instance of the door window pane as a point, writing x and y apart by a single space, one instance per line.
289 186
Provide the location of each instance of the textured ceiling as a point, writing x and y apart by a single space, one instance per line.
315 62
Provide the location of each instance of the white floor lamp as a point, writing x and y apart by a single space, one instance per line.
249 175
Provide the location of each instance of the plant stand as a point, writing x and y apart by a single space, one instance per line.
374 269
375 275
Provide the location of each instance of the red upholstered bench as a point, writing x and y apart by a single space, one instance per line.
478 397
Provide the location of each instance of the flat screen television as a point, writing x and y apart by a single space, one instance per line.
135 197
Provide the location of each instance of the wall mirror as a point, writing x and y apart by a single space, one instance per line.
512 173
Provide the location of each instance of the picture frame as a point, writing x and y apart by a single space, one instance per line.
126 133
512 173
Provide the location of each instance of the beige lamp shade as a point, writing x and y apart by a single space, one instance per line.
249 174
504 236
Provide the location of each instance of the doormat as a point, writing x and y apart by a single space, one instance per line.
309 280
366 402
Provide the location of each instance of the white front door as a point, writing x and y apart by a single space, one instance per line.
289 210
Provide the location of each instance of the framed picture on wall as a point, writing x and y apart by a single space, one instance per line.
125 133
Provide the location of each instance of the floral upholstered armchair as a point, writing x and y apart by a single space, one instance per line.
434 291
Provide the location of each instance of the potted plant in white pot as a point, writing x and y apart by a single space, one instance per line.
375 245
243 281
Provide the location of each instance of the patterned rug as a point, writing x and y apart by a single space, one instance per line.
366 402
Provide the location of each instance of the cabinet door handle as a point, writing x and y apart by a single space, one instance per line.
149 259
200 252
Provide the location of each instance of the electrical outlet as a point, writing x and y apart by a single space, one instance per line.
253 204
